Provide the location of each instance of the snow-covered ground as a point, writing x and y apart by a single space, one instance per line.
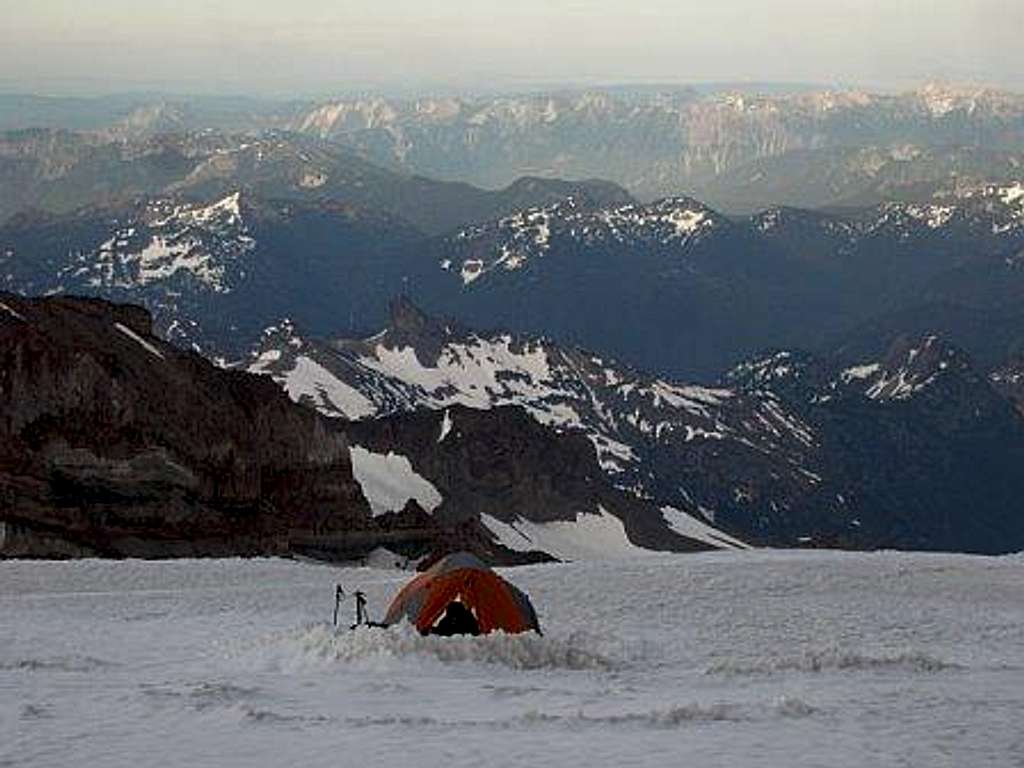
722 659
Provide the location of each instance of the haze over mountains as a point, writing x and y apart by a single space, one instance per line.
738 151
796 316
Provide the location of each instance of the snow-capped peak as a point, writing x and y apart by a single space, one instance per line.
224 213
167 240
512 242
1011 194
912 366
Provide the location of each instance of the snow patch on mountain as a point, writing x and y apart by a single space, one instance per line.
446 426
202 243
935 216
389 482
864 371
902 217
265 359
512 242
765 370
897 386
471 270
939 101
312 180
309 380
223 213
12 312
905 375
1001 206
689 526
1010 376
591 536
477 373
139 340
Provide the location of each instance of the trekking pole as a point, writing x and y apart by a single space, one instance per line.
338 594
360 606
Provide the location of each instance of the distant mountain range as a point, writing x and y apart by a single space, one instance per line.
676 373
672 287
59 172
738 150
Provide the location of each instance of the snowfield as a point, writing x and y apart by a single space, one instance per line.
723 659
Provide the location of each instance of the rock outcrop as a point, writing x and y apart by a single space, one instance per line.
501 463
115 443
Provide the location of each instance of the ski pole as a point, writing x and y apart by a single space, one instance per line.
338 594
360 605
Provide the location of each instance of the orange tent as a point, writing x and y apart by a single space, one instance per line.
462 578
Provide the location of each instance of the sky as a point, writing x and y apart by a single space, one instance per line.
312 47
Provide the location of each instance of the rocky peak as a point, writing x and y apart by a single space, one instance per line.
412 327
130 446
790 371
1008 379
407 319
911 365
36 312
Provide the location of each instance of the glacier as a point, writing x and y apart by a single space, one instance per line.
753 658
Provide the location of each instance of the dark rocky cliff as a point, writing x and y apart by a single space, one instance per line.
115 443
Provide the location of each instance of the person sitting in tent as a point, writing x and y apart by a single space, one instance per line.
457 620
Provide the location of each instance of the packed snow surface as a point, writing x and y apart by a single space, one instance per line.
724 659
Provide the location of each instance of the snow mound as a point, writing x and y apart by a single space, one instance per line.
382 558
319 644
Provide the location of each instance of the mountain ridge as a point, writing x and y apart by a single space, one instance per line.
118 444
776 455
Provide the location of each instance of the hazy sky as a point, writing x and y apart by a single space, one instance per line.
308 47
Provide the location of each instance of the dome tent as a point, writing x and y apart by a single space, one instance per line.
459 594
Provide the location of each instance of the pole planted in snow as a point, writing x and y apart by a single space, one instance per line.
338 594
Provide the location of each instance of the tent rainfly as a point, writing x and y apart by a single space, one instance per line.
461 595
